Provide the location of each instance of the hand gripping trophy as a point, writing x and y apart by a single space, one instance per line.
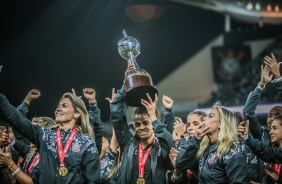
137 82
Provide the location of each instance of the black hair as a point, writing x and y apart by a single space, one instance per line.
278 107
143 110
278 118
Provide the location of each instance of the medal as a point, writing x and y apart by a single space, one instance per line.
63 171
140 181
142 158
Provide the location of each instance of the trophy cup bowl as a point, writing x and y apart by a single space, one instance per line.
137 82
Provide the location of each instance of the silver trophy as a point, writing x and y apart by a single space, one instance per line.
137 82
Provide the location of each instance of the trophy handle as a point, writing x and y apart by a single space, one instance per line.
132 60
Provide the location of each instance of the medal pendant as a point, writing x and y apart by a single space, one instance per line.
63 171
140 181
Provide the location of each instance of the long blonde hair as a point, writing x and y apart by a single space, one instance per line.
227 135
83 121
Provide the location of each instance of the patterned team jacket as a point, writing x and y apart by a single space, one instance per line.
82 158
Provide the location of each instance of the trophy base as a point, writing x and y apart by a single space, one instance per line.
135 94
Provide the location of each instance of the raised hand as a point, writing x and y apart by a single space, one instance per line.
265 77
167 102
113 96
32 95
89 94
74 93
179 127
6 158
129 67
243 129
273 65
150 106
201 130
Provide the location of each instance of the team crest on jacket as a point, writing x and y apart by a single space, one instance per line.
212 158
76 147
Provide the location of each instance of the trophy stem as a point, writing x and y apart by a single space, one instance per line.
132 60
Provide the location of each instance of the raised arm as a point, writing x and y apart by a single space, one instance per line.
252 102
118 119
274 66
265 152
18 122
31 95
169 116
94 116
23 109
118 114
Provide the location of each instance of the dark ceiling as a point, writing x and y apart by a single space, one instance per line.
56 45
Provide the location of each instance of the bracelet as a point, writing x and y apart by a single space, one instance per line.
261 85
16 171
276 80
11 166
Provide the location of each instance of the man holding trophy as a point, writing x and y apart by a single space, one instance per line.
145 157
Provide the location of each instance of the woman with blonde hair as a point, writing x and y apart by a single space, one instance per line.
213 151
68 153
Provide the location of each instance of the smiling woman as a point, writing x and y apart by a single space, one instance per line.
269 153
145 155
276 132
143 127
68 153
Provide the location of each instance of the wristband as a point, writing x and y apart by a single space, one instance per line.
16 171
261 85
